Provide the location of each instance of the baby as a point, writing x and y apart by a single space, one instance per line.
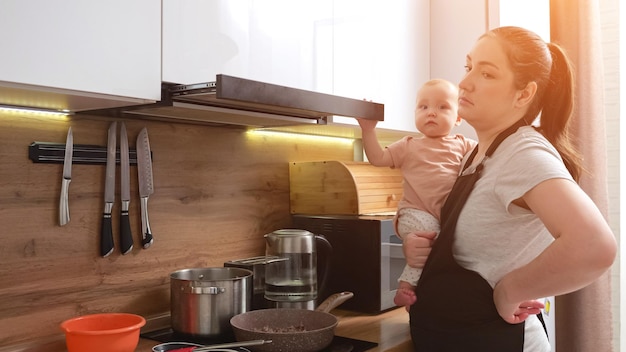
429 165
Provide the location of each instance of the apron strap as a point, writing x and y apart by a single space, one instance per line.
461 190
494 145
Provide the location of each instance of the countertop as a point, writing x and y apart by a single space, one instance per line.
389 329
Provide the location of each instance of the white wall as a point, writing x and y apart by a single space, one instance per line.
614 55
609 16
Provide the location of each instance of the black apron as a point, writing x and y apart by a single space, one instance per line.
454 311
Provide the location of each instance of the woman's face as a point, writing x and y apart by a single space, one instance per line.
487 95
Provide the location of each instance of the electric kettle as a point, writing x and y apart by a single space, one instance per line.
291 277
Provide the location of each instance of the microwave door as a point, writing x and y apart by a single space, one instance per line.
391 266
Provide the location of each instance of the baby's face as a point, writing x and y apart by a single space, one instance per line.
436 112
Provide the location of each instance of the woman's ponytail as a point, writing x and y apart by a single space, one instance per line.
557 108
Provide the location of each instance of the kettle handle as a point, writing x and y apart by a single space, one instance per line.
320 239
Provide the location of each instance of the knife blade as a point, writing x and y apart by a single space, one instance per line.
146 185
106 236
126 237
64 206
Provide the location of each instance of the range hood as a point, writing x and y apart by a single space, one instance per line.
246 103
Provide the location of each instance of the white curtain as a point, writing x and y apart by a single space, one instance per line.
584 318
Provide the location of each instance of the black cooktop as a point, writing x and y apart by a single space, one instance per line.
339 344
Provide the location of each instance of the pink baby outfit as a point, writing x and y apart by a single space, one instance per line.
429 168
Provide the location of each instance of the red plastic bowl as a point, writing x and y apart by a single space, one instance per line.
106 332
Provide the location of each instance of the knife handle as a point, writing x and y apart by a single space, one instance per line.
126 237
64 205
146 236
106 237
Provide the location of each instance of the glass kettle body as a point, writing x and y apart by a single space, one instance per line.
291 276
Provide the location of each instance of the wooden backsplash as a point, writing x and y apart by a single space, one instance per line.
217 192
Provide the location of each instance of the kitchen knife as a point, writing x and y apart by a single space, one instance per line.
126 237
64 206
146 186
106 237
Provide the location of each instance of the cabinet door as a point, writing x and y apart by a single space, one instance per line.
455 27
107 47
381 53
274 41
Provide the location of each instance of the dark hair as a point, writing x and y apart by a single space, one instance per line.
532 59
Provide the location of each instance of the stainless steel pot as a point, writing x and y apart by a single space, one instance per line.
204 299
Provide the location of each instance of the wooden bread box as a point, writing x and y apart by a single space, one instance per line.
343 188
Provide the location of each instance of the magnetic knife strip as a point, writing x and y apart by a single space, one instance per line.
54 153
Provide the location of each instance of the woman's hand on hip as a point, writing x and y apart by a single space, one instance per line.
416 247
514 312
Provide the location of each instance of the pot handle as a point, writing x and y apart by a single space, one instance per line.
202 290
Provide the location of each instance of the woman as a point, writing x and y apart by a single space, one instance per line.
516 226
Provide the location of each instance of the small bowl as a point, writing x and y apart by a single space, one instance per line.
106 332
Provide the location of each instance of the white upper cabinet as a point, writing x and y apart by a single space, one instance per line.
273 41
380 53
79 54
361 49
455 26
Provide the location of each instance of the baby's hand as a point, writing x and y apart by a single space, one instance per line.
367 124
417 246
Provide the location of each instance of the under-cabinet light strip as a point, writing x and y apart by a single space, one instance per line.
24 109
281 134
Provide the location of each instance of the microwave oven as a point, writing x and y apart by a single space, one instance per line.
366 258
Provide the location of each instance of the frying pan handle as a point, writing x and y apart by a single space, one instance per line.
333 301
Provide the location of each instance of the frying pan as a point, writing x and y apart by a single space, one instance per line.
290 329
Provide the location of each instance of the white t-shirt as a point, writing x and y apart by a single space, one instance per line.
493 235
